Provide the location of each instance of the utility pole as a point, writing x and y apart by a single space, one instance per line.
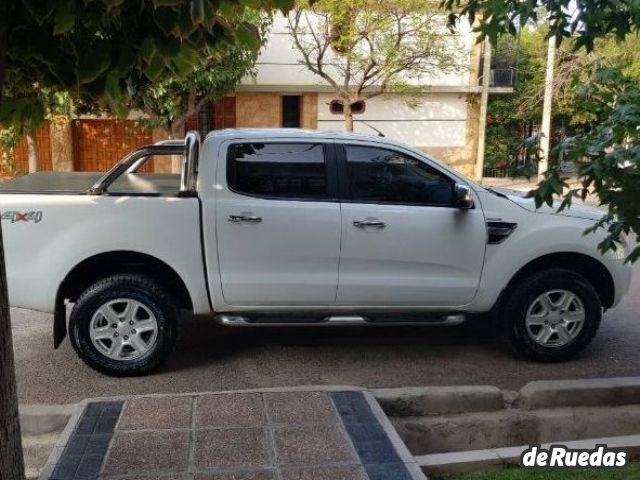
545 129
484 99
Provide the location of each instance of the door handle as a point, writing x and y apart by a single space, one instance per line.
369 223
244 218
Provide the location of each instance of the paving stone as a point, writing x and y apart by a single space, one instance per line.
107 409
77 444
294 408
89 467
87 424
105 424
353 472
256 475
230 410
376 451
170 476
66 468
365 432
157 413
389 471
353 407
231 448
312 445
97 444
141 452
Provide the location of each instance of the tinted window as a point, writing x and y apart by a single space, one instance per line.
386 176
289 170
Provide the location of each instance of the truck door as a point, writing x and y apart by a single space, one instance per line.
404 243
278 223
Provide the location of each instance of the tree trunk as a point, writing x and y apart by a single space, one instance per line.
11 460
348 116
32 151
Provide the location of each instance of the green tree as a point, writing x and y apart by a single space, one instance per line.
606 153
364 48
92 49
170 101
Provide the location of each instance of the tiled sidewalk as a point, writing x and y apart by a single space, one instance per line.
293 435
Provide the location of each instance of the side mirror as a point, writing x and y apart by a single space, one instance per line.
462 197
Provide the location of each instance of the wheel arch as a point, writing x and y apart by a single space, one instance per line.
104 264
590 268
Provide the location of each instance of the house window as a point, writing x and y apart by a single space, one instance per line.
291 111
337 107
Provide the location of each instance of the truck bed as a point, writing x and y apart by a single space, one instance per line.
77 183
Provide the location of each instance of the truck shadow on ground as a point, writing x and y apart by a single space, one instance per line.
202 340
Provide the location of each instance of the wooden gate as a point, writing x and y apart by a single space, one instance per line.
21 161
99 144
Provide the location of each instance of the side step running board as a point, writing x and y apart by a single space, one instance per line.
272 321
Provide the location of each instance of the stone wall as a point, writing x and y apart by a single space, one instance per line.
264 110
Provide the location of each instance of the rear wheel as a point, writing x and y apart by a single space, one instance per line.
552 315
124 325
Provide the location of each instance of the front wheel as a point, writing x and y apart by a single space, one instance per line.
552 315
123 325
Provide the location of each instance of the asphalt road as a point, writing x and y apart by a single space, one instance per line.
211 358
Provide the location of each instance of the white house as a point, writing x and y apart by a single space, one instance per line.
284 92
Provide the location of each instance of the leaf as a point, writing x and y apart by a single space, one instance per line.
247 36
41 10
147 49
92 63
166 19
167 3
197 11
65 18
154 68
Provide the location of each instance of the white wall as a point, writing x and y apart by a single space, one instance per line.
439 120
279 62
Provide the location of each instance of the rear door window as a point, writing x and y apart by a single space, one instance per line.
278 170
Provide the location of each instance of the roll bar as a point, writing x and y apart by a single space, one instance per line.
189 148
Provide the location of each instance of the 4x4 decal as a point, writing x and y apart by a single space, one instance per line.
14 216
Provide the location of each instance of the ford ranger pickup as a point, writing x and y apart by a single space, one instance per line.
273 227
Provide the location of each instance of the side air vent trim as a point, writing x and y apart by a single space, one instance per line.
498 232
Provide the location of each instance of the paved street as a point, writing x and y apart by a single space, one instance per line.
211 358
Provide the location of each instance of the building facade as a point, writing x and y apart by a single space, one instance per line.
441 116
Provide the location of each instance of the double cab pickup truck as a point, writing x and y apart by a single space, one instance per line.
290 227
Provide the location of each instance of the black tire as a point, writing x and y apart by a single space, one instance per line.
520 298
130 286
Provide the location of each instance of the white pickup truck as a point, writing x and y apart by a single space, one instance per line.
292 227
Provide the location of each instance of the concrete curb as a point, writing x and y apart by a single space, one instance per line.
398 444
580 393
497 458
419 401
40 419
47 471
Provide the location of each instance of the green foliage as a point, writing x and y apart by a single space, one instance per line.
586 20
9 138
171 100
363 48
94 49
607 157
